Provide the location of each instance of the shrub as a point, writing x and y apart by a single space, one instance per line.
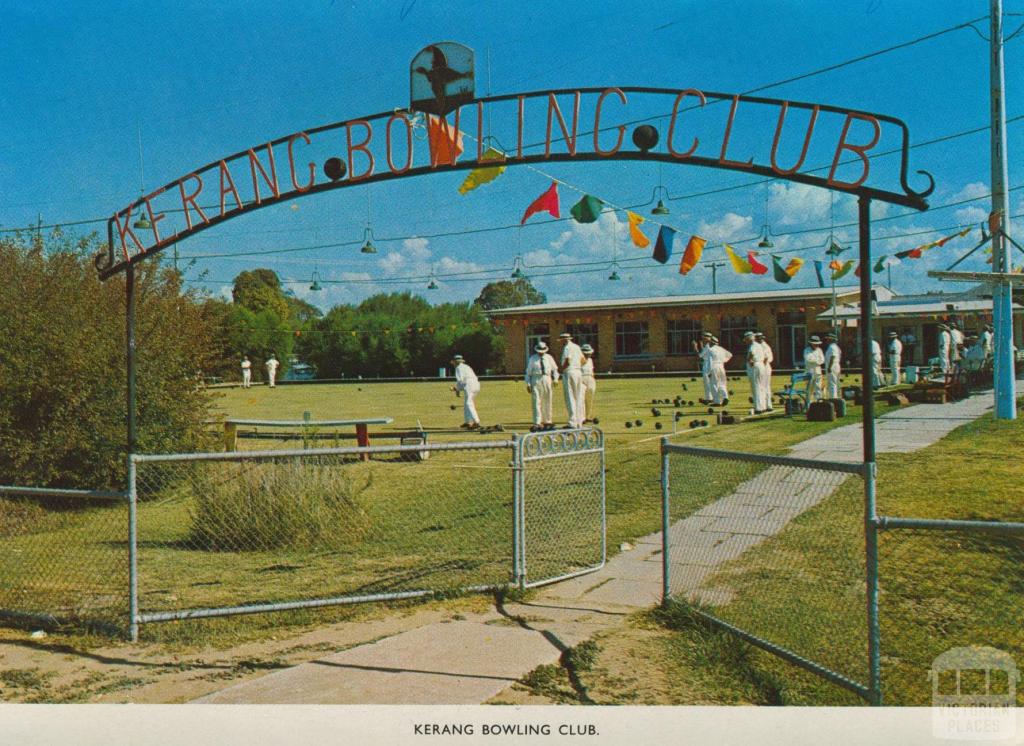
62 364
280 505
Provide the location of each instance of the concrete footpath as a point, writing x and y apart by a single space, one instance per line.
470 660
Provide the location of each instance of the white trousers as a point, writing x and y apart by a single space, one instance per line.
814 392
469 403
894 370
540 392
944 365
572 383
756 374
876 372
719 383
246 378
271 376
766 384
709 389
589 389
832 384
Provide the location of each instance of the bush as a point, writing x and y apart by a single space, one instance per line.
280 505
62 364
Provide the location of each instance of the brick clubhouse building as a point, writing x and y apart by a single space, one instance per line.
644 334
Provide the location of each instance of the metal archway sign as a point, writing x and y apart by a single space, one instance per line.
564 125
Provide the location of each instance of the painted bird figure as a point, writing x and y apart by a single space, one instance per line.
440 74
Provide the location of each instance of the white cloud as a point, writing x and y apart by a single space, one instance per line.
971 215
731 227
795 204
974 190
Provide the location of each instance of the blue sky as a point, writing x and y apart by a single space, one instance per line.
201 81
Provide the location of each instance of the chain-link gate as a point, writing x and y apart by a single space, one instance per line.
735 525
561 518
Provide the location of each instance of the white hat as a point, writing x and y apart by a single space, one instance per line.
458 358
541 347
565 335
893 334
587 349
815 339
747 335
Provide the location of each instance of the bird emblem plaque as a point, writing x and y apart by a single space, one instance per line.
441 78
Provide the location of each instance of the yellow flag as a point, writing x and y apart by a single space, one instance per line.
794 266
740 266
639 239
485 175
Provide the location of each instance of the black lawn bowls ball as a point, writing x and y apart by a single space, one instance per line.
596 421
693 424
629 424
703 423
750 399
657 426
689 403
711 410
334 168
638 423
451 407
654 401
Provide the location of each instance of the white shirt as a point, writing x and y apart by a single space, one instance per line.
573 354
754 354
272 365
833 355
876 351
945 340
986 340
719 355
588 367
464 377
705 358
769 358
246 365
895 346
540 365
814 358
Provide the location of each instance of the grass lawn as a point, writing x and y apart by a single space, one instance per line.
440 523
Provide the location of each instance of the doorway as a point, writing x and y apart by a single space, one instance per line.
789 348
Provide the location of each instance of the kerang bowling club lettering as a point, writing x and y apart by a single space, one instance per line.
686 126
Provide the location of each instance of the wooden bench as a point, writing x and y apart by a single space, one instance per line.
361 425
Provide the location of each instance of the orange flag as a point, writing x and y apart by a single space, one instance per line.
694 249
445 142
639 239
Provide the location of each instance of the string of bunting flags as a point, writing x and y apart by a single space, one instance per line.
446 146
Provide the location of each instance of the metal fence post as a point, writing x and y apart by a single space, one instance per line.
133 575
871 567
665 585
517 467
604 506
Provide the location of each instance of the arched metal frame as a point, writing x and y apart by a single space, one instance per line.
107 267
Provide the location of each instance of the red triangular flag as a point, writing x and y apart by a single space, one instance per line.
547 202
755 266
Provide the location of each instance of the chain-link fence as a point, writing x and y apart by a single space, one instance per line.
63 557
771 549
944 586
777 551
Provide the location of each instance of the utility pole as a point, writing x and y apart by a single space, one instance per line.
713 266
1002 295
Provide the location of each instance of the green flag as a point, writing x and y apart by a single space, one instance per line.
587 210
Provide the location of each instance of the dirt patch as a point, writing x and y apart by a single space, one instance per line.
74 669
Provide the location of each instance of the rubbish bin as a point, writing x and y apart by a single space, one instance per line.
911 371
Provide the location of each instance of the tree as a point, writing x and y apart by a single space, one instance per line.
398 334
260 290
506 294
62 363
